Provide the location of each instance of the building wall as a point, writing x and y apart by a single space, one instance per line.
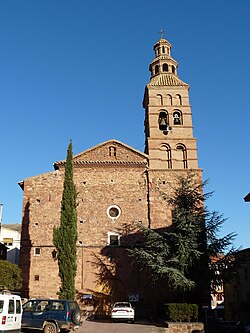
12 239
98 188
237 290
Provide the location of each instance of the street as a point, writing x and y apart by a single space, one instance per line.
108 327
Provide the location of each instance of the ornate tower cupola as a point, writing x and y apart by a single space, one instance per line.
169 140
163 63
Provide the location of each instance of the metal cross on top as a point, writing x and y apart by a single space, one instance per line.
162 32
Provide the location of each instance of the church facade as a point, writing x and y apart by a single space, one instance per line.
118 187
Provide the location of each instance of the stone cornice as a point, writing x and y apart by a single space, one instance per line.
104 163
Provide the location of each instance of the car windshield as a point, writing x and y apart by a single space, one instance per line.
122 305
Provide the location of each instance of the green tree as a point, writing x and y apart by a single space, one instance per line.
181 255
10 276
65 236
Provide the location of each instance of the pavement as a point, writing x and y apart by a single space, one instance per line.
108 327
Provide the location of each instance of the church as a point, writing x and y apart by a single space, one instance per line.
118 187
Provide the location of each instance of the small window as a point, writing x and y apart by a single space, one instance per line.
18 306
1 306
169 100
41 306
160 99
112 151
113 239
168 156
173 69
182 156
156 69
11 308
163 120
37 277
57 306
113 212
177 119
8 241
37 251
165 67
29 306
178 99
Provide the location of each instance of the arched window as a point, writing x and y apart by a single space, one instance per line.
178 100
163 120
156 69
177 117
112 151
165 67
173 69
169 100
181 156
159 99
167 148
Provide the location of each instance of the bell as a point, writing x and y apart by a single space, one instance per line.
163 124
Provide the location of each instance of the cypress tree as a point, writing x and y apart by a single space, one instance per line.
65 236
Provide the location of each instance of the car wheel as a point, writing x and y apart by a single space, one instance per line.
76 317
50 328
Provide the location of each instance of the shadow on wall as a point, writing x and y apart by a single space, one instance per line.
119 279
25 251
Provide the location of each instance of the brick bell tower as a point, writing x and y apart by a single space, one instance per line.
169 140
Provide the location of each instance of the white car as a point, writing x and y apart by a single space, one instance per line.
123 311
10 313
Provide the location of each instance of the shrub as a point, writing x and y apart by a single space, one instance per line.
181 312
10 276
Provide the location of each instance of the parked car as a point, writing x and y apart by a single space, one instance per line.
51 315
123 311
10 313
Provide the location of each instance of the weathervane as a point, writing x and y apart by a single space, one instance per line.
162 32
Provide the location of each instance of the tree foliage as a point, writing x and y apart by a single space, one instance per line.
10 276
182 254
65 236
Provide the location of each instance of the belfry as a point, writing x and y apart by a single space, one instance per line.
169 141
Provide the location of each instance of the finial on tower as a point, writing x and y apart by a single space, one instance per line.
162 32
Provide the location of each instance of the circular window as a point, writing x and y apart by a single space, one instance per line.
114 212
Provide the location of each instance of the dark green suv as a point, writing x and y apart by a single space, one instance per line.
51 315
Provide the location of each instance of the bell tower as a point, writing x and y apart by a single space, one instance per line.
169 140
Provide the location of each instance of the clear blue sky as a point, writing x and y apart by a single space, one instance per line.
76 69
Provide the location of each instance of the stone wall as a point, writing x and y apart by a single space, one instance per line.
185 327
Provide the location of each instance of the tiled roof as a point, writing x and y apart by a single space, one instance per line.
15 227
166 80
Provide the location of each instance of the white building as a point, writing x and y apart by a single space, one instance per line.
10 235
